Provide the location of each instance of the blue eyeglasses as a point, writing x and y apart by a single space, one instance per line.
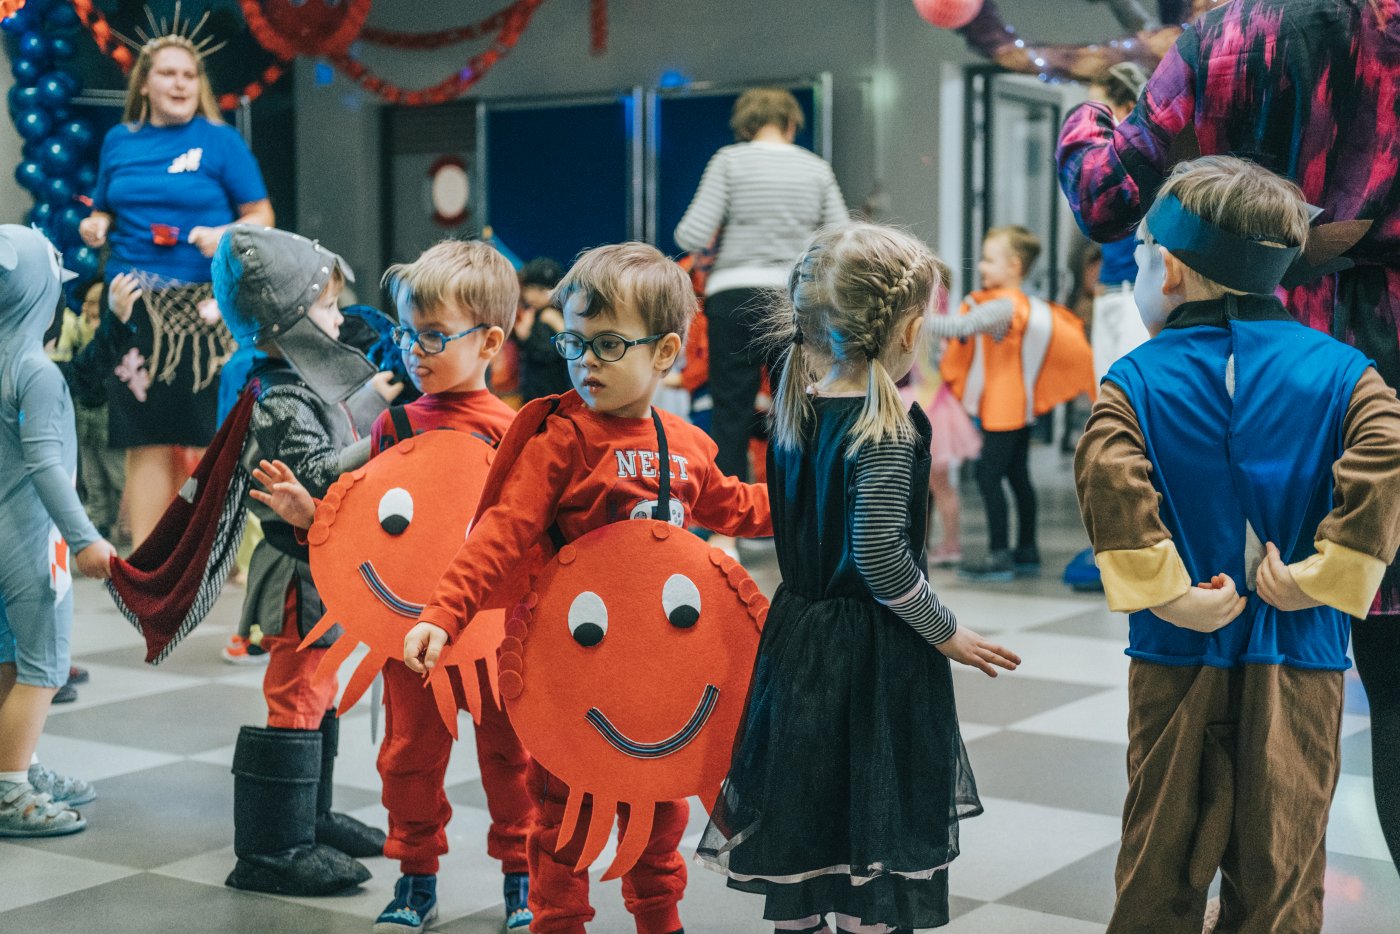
607 347
430 342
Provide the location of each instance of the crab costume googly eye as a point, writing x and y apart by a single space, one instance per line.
625 670
383 535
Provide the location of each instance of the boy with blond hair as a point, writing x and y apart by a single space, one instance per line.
625 308
456 304
1240 481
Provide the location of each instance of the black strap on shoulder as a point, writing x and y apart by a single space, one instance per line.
662 511
403 428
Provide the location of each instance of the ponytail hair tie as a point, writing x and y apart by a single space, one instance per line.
797 337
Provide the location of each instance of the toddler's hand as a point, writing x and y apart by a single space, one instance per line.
422 646
284 494
93 229
968 648
95 560
1205 607
383 383
122 295
1275 584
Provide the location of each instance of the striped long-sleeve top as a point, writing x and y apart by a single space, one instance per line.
764 200
880 541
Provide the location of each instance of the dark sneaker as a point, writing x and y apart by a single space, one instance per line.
1026 561
996 568
517 892
66 694
77 675
414 906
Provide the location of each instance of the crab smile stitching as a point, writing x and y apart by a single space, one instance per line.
667 746
386 596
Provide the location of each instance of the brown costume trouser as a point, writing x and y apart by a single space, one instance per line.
1229 769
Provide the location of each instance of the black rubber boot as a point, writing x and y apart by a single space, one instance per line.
340 830
275 773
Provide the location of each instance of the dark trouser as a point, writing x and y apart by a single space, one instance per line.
1006 456
735 317
1375 644
1229 769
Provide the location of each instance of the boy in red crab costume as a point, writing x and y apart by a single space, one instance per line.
571 464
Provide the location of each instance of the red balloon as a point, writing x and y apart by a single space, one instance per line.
948 14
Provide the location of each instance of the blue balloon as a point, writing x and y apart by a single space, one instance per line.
73 82
59 157
34 46
84 261
30 176
26 71
66 222
22 99
85 180
17 23
61 17
61 48
41 214
53 91
33 125
58 191
78 134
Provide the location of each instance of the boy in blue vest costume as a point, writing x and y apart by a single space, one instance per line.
1240 481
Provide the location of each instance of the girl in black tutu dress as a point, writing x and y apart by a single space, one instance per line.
849 774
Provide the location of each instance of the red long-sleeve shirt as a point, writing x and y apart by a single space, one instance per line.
479 413
585 470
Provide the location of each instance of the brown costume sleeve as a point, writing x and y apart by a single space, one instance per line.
1359 537
1133 549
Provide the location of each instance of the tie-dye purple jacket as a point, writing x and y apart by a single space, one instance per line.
1308 88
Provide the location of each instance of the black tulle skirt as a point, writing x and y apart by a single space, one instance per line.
849 774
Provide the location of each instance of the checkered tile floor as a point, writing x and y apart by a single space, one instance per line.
1047 745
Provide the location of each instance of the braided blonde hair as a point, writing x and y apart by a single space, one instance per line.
847 298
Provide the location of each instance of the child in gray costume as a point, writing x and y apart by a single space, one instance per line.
41 514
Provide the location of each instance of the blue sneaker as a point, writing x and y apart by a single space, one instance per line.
414 906
517 892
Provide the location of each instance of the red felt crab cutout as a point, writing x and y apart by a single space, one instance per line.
625 671
383 535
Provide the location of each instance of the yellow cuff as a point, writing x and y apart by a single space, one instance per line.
1139 578
1340 577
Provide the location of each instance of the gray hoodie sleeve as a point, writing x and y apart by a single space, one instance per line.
47 434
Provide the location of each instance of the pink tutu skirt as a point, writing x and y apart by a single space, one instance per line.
955 438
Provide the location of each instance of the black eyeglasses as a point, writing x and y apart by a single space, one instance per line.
607 347
430 342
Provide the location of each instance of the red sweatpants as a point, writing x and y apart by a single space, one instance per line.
559 896
413 761
294 700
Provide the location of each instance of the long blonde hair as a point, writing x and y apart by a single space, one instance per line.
846 299
138 107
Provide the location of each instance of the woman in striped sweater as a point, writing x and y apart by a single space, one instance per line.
763 198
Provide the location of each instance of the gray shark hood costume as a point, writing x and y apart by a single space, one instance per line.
38 502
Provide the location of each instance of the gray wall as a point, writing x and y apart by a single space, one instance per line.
886 62
14 200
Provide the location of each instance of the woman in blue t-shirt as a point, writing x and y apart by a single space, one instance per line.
172 176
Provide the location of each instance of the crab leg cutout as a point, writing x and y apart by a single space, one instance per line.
323 626
635 837
599 831
680 740
335 656
359 682
569 826
446 703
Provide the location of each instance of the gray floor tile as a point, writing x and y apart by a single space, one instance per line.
152 817
1004 700
1082 890
185 722
1356 753
470 793
198 656
1075 774
1097 624
144 903
1363 895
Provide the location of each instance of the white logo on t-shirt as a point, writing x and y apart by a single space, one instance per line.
186 162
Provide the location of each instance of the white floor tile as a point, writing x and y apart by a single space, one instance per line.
1003 919
1102 717
1353 827
92 761
112 683
996 612
1354 723
1014 844
971 731
34 875
1075 659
